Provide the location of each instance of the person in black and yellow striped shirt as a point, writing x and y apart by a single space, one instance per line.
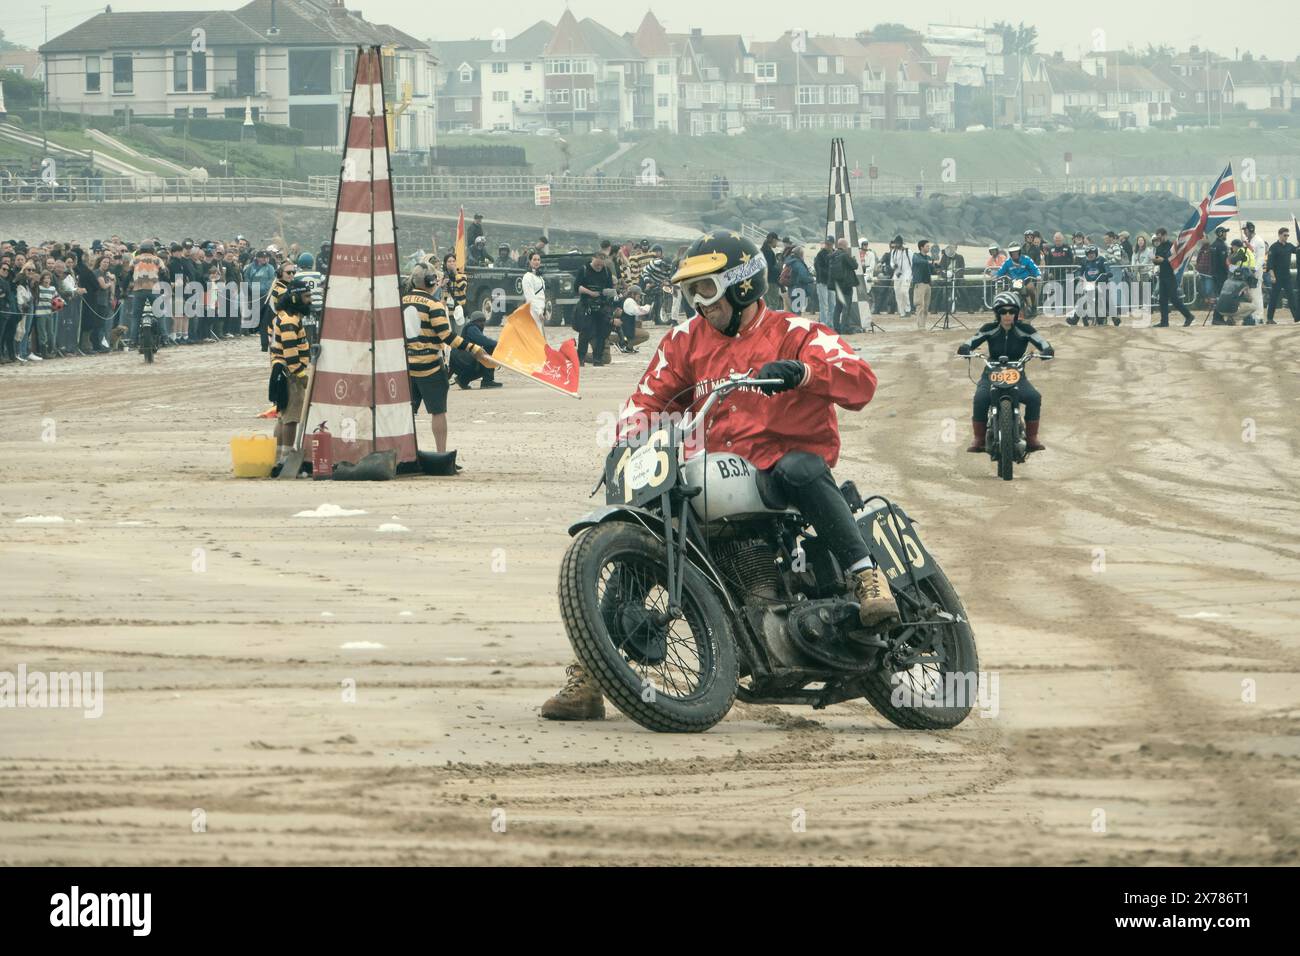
291 352
455 287
638 261
428 334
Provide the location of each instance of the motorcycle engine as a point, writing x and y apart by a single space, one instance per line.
749 565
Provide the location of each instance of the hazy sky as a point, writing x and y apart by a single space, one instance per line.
1068 26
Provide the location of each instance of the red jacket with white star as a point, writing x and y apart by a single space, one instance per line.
694 357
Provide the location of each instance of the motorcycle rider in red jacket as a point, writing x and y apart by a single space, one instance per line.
788 429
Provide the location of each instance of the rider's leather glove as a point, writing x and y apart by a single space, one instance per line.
963 349
1048 352
789 371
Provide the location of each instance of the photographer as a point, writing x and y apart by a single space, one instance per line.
1235 298
900 271
592 320
626 318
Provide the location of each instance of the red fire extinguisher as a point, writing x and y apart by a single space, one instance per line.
322 453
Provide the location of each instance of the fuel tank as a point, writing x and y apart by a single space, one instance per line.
730 486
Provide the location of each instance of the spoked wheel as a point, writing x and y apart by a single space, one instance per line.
1006 439
669 674
934 684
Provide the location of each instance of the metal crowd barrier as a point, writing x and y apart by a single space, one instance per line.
67 325
160 189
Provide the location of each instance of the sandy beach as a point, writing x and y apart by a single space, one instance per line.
323 690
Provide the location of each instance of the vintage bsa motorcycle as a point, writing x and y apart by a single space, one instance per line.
696 585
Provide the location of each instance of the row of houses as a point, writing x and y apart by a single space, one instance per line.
290 62
1122 92
578 75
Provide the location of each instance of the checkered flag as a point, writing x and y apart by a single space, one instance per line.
839 200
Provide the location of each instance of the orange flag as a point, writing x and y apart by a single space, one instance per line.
460 241
523 348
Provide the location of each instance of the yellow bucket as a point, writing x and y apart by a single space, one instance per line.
252 455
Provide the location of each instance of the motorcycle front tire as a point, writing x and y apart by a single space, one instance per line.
585 621
1006 438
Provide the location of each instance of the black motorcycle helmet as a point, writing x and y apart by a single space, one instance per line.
735 264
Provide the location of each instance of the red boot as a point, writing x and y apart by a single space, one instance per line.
981 432
1031 438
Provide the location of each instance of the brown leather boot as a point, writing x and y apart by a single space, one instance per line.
875 600
981 432
1031 438
578 699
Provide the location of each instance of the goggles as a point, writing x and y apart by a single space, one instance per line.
1006 310
703 291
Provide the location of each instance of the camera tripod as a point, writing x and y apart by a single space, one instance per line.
949 316
853 311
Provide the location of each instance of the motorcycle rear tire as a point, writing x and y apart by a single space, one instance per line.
585 623
1006 438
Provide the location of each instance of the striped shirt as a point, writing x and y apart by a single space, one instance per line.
457 292
277 290
424 349
288 344
317 283
637 263
45 299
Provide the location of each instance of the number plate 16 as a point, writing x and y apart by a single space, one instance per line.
636 474
895 544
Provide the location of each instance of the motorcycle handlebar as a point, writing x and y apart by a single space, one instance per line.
721 390
1021 361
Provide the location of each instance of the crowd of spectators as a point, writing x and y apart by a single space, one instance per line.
933 279
61 299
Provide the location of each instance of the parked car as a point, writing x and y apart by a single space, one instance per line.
489 285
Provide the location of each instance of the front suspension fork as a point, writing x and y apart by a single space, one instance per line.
675 550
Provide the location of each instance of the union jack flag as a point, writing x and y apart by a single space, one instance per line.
1214 210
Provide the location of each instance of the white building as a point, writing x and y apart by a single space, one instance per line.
293 60
513 79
